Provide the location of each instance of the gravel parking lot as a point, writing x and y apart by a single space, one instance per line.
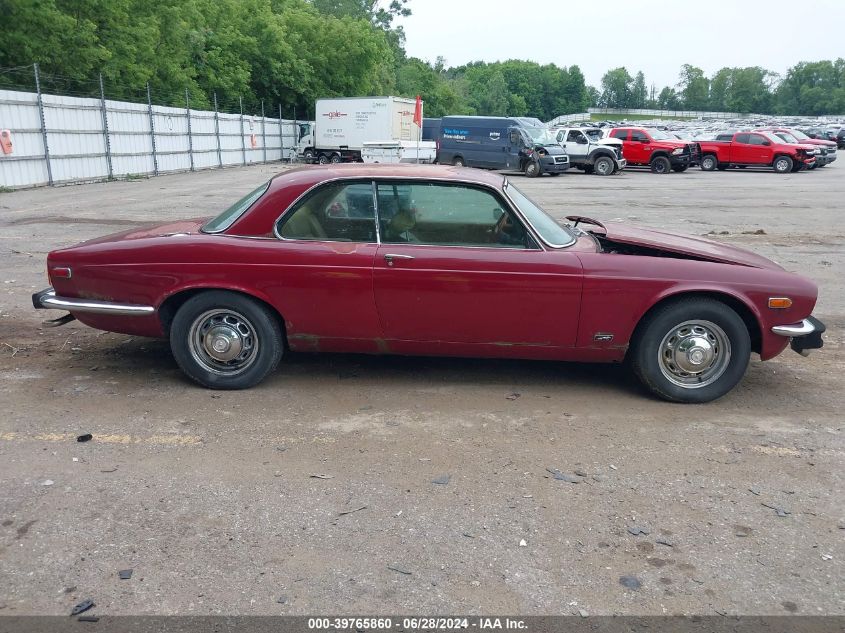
313 493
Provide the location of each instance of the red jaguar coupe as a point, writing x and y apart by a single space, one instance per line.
431 260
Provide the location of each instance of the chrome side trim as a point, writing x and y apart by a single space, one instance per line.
51 302
801 329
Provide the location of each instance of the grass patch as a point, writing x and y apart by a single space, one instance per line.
599 116
4 189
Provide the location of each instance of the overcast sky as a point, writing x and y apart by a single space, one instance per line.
655 36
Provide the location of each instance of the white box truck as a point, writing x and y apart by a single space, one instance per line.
343 125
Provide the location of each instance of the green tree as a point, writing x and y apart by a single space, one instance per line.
616 87
639 92
693 88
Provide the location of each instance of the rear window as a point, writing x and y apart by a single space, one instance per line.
228 217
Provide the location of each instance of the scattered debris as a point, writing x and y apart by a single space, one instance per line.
582 613
636 531
88 618
781 512
754 491
630 582
442 480
467 534
612 467
282 599
401 570
523 543
513 396
82 607
827 557
663 541
87 437
47 482
563 476
340 514
124 574
757 232
320 476
109 470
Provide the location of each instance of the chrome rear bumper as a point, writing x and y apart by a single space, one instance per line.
47 300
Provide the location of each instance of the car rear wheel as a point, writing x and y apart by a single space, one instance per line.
458 161
709 163
308 155
603 166
224 340
691 350
783 164
661 165
335 158
322 159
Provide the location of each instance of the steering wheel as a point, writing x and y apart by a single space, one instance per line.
499 234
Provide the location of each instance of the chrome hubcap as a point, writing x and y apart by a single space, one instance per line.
603 167
223 341
694 354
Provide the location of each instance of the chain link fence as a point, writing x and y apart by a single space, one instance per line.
63 130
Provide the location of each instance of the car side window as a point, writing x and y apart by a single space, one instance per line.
620 134
439 214
756 139
574 136
639 136
741 138
335 212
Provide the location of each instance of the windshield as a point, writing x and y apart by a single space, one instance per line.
799 135
774 137
594 135
540 135
550 231
786 136
657 135
228 217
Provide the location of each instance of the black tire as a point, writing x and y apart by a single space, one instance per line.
458 161
604 166
335 159
243 325
783 164
588 169
709 162
680 168
713 333
532 169
308 155
660 165
322 159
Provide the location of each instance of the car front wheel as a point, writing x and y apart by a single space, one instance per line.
709 163
691 350
604 166
224 340
783 164
661 165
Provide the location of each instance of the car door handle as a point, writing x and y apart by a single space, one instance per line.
389 257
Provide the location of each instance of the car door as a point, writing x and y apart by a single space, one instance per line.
457 269
760 150
576 145
741 150
322 269
640 147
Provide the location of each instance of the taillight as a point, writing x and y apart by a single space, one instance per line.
59 272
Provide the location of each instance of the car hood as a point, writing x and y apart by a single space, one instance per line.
688 245
178 227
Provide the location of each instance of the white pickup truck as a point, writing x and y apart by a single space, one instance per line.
587 150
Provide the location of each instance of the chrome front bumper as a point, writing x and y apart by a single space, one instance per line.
47 300
805 336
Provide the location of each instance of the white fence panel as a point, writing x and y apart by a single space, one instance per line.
26 165
84 140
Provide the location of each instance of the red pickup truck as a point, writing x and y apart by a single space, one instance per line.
755 149
658 150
